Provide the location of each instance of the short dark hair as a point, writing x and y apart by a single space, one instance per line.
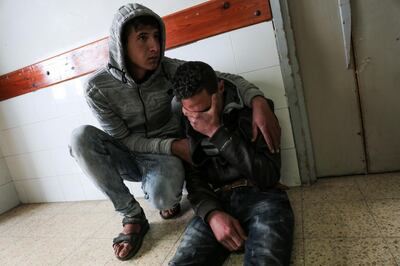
136 24
192 77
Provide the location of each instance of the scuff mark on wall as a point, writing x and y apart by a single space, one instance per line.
363 64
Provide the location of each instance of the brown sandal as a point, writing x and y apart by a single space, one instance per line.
172 213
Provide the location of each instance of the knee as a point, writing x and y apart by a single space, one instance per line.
81 138
163 198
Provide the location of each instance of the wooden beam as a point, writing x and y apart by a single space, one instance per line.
183 27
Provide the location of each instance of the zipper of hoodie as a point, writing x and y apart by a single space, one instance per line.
144 110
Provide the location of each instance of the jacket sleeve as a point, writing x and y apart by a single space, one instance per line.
251 159
202 198
247 90
116 127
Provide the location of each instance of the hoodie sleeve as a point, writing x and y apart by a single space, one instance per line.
247 90
116 127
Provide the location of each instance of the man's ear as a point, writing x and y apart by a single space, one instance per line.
220 86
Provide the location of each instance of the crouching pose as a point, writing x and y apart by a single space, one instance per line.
232 185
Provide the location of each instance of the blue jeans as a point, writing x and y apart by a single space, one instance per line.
108 162
267 219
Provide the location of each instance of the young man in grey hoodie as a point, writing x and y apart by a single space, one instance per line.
142 139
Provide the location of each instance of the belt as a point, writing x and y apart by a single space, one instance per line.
235 184
246 183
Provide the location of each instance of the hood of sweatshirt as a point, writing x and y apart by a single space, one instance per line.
117 65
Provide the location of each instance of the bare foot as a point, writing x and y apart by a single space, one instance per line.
122 249
171 213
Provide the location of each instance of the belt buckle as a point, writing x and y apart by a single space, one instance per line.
242 183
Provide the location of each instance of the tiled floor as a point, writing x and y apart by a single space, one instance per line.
339 221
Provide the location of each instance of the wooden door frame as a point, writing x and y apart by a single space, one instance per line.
294 90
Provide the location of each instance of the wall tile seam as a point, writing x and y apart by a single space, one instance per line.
21 179
260 68
233 52
7 183
42 198
35 151
39 121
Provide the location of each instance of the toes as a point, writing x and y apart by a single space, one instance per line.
117 248
125 250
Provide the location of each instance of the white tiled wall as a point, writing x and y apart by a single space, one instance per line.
45 28
8 194
35 128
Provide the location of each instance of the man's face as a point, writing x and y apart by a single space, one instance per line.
144 50
198 103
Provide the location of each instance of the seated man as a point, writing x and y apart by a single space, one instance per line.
232 185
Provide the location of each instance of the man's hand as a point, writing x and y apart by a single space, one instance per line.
265 120
208 122
180 148
227 230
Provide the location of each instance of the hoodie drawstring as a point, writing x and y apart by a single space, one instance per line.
124 80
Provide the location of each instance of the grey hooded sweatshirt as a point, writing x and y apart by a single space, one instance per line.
140 115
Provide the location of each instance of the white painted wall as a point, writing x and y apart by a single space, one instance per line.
35 127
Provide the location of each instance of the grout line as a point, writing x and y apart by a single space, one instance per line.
41 121
375 218
303 227
259 69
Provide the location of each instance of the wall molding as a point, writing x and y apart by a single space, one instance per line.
183 27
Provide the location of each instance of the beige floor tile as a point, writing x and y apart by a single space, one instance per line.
387 214
105 206
394 246
50 208
295 194
14 250
37 251
298 219
297 258
84 207
72 225
28 226
7 221
338 219
380 186
110 229
332 189
26 219
172 252
91 252
367 251
166 230
15 216
234 260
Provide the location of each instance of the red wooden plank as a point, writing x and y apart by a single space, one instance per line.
189 25
213 17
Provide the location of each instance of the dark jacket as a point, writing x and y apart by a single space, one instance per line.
238 157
